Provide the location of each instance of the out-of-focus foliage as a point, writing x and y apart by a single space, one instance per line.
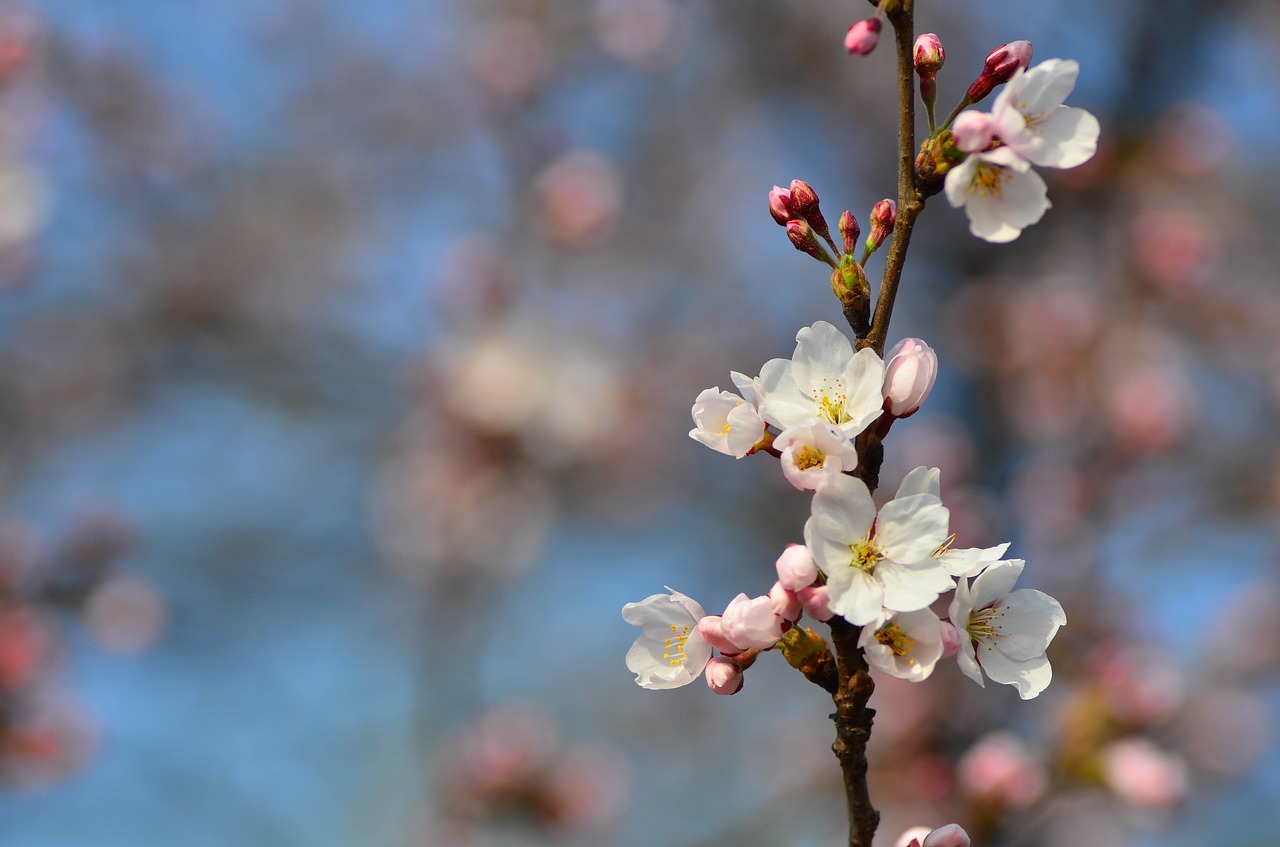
377 326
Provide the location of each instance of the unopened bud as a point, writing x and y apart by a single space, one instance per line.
863 36
950 835
849 283
804 203
780 205
929 55
950 640
711 628
816 602
723 676
912 837
786 604
882 218
806 241
796 567
909 373
849 230
937 156
973 131
1001 64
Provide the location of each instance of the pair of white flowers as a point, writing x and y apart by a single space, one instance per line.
820 399
1000 192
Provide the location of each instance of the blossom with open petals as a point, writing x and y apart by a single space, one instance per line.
1004 633
726 422
876 562
670 651
1030 119
906 645
814 452
823 379
1000 194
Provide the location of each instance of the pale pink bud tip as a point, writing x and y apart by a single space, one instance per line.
950 640
711 628
723 676
1001 64
912 837
786 604
929 55
950 835
863 37
796 568
780 205
973 131
883 217
816 602
910 371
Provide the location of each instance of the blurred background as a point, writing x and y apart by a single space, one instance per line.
346 358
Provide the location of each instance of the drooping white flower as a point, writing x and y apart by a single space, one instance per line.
1030 119
1000 194
726 422
971 561
906 645
823 379
874 563
670 651
814 452
1005 633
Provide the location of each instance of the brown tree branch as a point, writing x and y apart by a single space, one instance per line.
853 729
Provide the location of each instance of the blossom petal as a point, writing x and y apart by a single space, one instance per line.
1066 138
864 379
647 660
994 583
920 481
1044 87
911 528
1029 677
745 430
855 595
908 587
822 352
972 561
1027 622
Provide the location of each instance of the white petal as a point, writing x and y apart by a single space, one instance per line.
1027 620
994 583
1029 677
957 182
921 481
908 587
968 664
864 378
745 430
843 509
822 352
911 528
747 386
653 669
855 596
1066 138
1046 86
972 561
657 613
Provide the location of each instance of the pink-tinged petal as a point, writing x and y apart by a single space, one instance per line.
854 595
994 583
796 567
951 835
724 676
910 529
711 628
912 837
822 352
816 601
908 587
1026 621
973 131
1029 677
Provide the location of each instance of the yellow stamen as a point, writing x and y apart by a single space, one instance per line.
892 636
676 644
865 555
988 180
809 457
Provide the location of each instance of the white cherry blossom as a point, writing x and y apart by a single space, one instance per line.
1029 117
814 452
726 422
906 645
670 651
823 379
876 562
1004 633
1000 194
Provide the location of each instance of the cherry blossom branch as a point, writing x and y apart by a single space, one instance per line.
853 729
910 203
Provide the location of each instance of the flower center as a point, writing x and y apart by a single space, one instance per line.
892 636
674 646
865 555
831 399
988 179
983 625
809 457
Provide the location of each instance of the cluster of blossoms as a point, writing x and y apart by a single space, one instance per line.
880 570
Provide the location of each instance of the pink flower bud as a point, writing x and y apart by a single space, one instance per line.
796 567
804 202
863 37
882 218
973 131
780 205
1001 64
950 640
816 602
786 604
711 628
950 835
910 370
929 55
723 676
849 230
751 622
805 240
912 837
